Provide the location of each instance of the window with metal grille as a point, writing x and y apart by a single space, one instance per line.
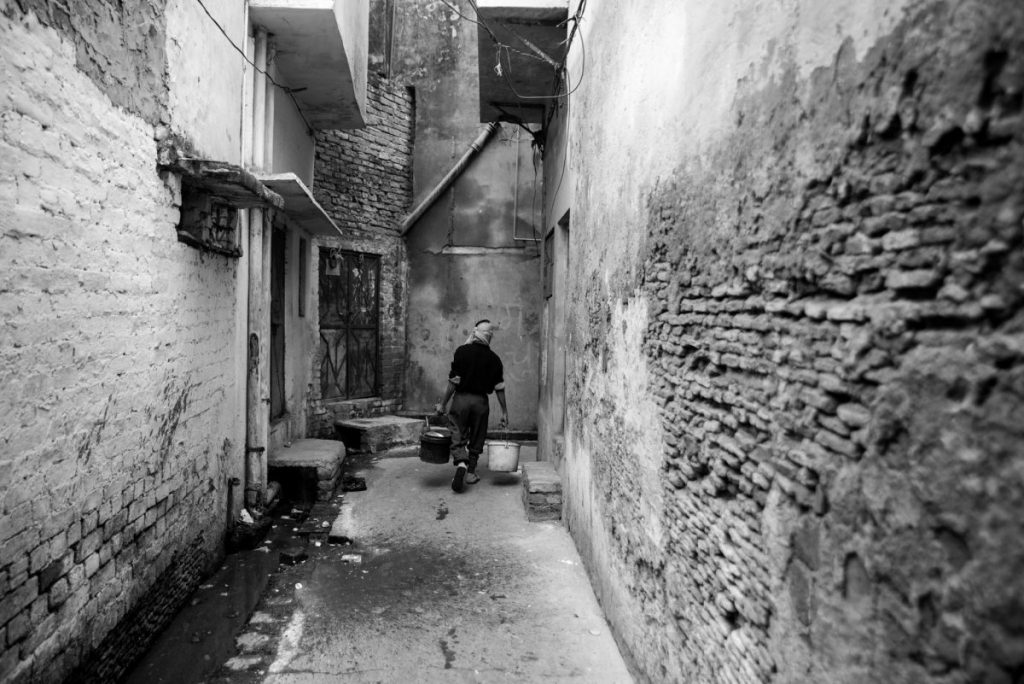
349 324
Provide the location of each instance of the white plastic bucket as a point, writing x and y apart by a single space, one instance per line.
503 456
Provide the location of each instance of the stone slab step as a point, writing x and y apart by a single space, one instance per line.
308 468
378 433
542 491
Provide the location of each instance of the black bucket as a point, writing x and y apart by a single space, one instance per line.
436 445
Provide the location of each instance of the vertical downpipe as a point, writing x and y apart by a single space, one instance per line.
255 408
237 498
268 115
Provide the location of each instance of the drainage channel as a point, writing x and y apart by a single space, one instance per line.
228 616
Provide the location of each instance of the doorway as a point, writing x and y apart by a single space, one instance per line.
349 324
278 252
555 283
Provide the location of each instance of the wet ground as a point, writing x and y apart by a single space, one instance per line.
435 587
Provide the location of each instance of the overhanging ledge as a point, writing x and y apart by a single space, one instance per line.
300 206
321 54
536 31
232 184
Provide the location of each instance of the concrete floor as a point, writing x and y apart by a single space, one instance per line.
436 587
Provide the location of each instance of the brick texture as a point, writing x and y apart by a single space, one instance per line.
112 358
363 179
542 491
124 59
833 353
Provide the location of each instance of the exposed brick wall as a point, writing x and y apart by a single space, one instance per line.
393 277
833 343
115 377
112 658
363 179
120 46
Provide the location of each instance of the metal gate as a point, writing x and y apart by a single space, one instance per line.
349 324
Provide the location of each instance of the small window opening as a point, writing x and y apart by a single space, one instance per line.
208 222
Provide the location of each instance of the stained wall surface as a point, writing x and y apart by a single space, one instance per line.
205 74
474 253
794 376
117 373
364 182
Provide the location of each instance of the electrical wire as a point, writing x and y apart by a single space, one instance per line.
506 48
487 28
561 175
559 96
501 47
561 72
287 91
583 62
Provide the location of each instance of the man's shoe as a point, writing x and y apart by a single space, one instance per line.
472 478
459 481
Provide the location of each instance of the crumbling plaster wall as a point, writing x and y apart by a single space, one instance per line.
465 263
795 377
117 371
125 59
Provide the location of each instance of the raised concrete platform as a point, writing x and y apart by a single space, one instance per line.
542 491
309 469
378 433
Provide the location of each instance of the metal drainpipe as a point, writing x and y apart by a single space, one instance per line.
515 189
255 424
449 178
269 108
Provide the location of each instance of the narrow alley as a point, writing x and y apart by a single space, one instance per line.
740 282
434 587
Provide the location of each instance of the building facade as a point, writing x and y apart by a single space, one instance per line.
364 182
471 235
158 244
783 337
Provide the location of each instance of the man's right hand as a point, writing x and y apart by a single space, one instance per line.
439 409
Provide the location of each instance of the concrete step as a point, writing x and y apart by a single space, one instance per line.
542 491
378 433
308 470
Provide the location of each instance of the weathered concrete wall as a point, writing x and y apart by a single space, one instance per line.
556 250
795 338
364 181
205 103
353 19
464 261
116 369
294 145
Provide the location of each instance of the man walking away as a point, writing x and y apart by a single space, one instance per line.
476 372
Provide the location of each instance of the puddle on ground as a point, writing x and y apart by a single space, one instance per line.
202 635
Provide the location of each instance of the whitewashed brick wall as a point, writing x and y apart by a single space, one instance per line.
117 372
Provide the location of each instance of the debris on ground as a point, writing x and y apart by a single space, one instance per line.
353 484
293 555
